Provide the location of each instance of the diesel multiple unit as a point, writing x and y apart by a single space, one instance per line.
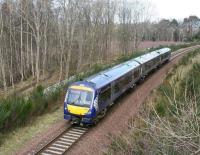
87 101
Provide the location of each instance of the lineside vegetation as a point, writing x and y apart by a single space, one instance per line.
17 111
168 122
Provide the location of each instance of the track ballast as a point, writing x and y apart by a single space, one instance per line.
63 142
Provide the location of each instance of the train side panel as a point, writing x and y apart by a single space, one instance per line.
111 92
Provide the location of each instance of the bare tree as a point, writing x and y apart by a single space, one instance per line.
40 39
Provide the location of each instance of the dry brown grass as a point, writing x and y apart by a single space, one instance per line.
169 122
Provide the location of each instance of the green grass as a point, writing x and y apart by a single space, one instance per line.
13 141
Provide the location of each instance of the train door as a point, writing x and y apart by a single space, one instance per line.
104 97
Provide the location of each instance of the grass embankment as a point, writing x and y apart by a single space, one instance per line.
15 111
169 121
17 139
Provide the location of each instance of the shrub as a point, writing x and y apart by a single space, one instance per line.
15 111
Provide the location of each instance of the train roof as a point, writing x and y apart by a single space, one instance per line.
163 50
146 57
103 78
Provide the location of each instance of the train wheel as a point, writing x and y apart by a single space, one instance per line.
95 121
111 104
75 122
142 79
103 113
133 86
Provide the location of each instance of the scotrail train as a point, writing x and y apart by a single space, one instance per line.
87 101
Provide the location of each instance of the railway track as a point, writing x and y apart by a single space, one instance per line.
62 143
176 54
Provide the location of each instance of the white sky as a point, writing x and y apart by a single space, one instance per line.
178 9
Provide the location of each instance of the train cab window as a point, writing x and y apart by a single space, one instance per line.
105 94
79 97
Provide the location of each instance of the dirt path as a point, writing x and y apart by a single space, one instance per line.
97 140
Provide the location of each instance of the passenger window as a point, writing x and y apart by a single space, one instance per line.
136 73
105 94
117 86
122 82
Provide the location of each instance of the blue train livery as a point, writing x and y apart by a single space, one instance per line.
87 101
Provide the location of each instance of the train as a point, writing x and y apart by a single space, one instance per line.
87 101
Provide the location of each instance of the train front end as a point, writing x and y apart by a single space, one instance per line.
79 103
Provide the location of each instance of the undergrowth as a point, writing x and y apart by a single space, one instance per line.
16 111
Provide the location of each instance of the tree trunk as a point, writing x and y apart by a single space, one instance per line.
37 54
21 51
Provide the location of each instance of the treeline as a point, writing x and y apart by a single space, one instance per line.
40 38
173 30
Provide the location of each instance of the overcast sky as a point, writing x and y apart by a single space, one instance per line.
176 8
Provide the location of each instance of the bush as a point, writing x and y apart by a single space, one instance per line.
15 111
